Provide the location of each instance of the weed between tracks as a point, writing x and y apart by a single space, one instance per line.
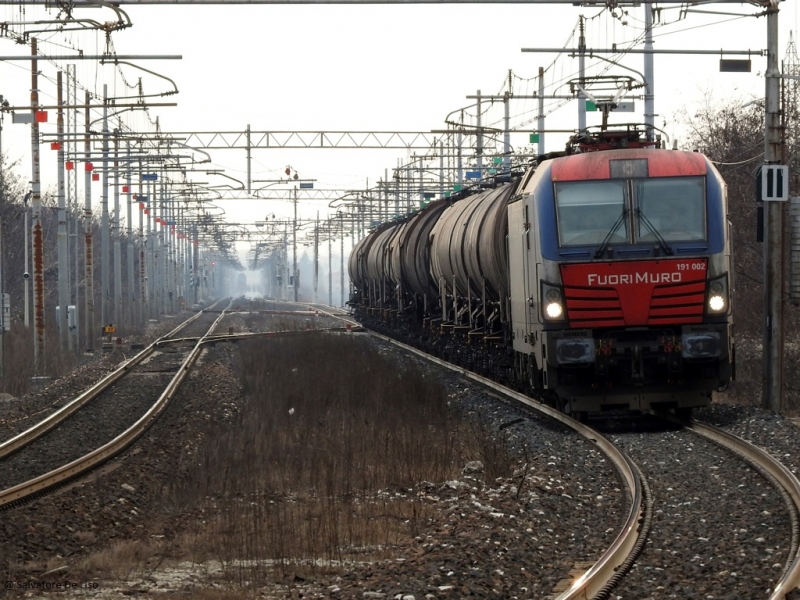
324 465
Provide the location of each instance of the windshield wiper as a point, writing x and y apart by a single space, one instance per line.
609 235
665 248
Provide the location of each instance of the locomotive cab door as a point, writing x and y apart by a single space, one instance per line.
517 267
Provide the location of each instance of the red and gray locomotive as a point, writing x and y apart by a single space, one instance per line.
600 278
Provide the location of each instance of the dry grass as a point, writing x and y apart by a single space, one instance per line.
323 466
119 560
18 363
747 389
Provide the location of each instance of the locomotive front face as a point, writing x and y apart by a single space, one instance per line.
624 276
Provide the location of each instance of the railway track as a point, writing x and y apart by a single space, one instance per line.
644 526
645 511
783 480
106 418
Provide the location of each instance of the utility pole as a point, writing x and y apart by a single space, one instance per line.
2 254
63 240
26 273
479 139
143 266
460 165
73 222
5 316
507 128
36 225
772 365
161 263
249 163
116 234
582 76
341 267
649 90
396 178
316 256
196 272
441 169
132 295
164 246
105 242
540 117
330 267
87 234
295 281
150 247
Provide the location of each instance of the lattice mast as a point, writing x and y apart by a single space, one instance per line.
791 131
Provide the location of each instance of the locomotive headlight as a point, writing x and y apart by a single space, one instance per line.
717 295
552 303
554 310
716 303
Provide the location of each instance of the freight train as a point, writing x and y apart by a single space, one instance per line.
599 278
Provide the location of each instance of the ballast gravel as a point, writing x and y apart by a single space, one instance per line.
720 530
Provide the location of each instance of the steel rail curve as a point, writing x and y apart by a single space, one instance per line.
596 578
26 437
115 446
790 484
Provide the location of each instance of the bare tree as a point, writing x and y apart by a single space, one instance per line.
732 136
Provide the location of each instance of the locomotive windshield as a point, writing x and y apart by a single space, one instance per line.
588 211
674 206
631 211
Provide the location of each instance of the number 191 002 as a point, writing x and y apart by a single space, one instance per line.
695 265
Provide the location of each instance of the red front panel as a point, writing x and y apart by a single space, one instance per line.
635 293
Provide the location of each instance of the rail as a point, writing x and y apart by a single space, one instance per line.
115 446
26 437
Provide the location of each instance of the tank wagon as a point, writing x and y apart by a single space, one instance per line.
599 278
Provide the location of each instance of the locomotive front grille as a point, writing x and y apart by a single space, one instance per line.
669 304
678 304
593 307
